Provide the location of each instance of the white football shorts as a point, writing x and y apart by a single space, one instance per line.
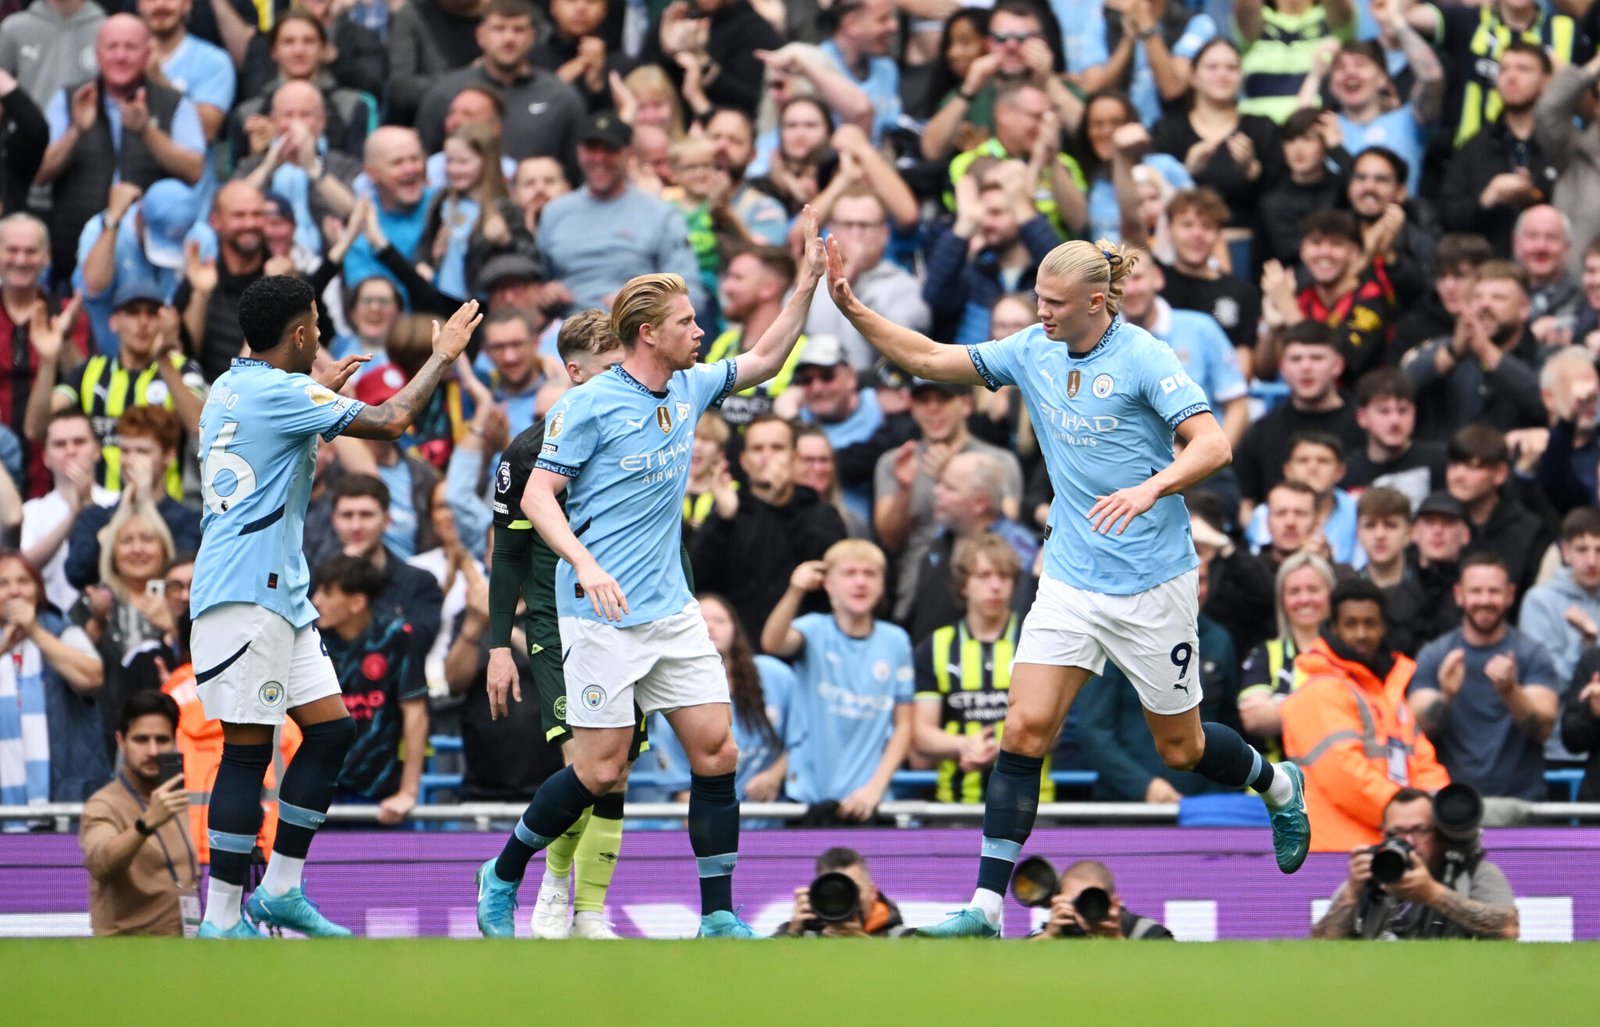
251 666
1152 635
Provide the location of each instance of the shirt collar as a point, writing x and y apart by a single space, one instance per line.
1105 340
635 383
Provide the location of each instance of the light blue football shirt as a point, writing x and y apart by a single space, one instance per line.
1204 350
258 452
626 450
841 714
1105 422
203 72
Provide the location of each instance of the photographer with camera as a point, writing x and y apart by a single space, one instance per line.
843 902
1083 902
143 872
1427 878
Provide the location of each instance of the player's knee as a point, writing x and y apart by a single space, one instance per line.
1179 753
720 757
603 775
1026 737
334 737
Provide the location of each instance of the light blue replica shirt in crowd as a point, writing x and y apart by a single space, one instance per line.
258 453
626 450
202 72
1204 350
131 266
842 713
1105 422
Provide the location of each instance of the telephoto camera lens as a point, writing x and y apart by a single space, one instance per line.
1093 905
1458 813
1391 858
834 897
1034 881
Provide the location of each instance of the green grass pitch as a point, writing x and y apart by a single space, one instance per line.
116 983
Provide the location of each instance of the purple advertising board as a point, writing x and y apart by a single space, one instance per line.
1204 883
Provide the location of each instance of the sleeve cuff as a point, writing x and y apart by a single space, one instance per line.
990 382
337 428
1188 412
555 468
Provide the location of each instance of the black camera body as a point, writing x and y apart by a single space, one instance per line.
1391 858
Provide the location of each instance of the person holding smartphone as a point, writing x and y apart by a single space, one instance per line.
143 872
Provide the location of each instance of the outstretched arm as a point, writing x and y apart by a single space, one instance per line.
391 419
767 357
908 349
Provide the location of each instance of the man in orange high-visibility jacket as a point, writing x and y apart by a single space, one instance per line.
200 741
1349 728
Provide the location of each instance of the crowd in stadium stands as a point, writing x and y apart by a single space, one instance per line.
1369 228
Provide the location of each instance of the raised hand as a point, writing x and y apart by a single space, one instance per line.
814 261
48 335
135 113
1452 673
807 577
451 340
85 106
123 196
838 283
200 272
333 374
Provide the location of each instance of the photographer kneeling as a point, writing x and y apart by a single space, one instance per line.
1426 879
843 902
1083 904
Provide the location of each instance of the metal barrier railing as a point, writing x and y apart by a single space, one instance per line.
482 815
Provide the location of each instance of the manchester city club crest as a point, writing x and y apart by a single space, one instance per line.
664 419
271 694
683 411
1074 381
593 697
1102 386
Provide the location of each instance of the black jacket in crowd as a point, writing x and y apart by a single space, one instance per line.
1580 728
748 559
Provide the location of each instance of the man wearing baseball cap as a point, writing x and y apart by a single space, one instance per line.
148 368
139 236
596 238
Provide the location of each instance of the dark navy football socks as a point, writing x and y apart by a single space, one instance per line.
309 784
1229 760
714 836
1009 809
234 815
557 805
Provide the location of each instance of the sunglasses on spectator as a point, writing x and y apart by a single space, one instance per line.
806 375
1012 37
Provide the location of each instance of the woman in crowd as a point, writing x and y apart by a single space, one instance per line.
473 218
357 60
1104 113
645 96
1236 154
1304 590
816 469
297 46
51 737
127 611
961 44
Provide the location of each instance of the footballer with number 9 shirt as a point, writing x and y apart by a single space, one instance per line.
1120 579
